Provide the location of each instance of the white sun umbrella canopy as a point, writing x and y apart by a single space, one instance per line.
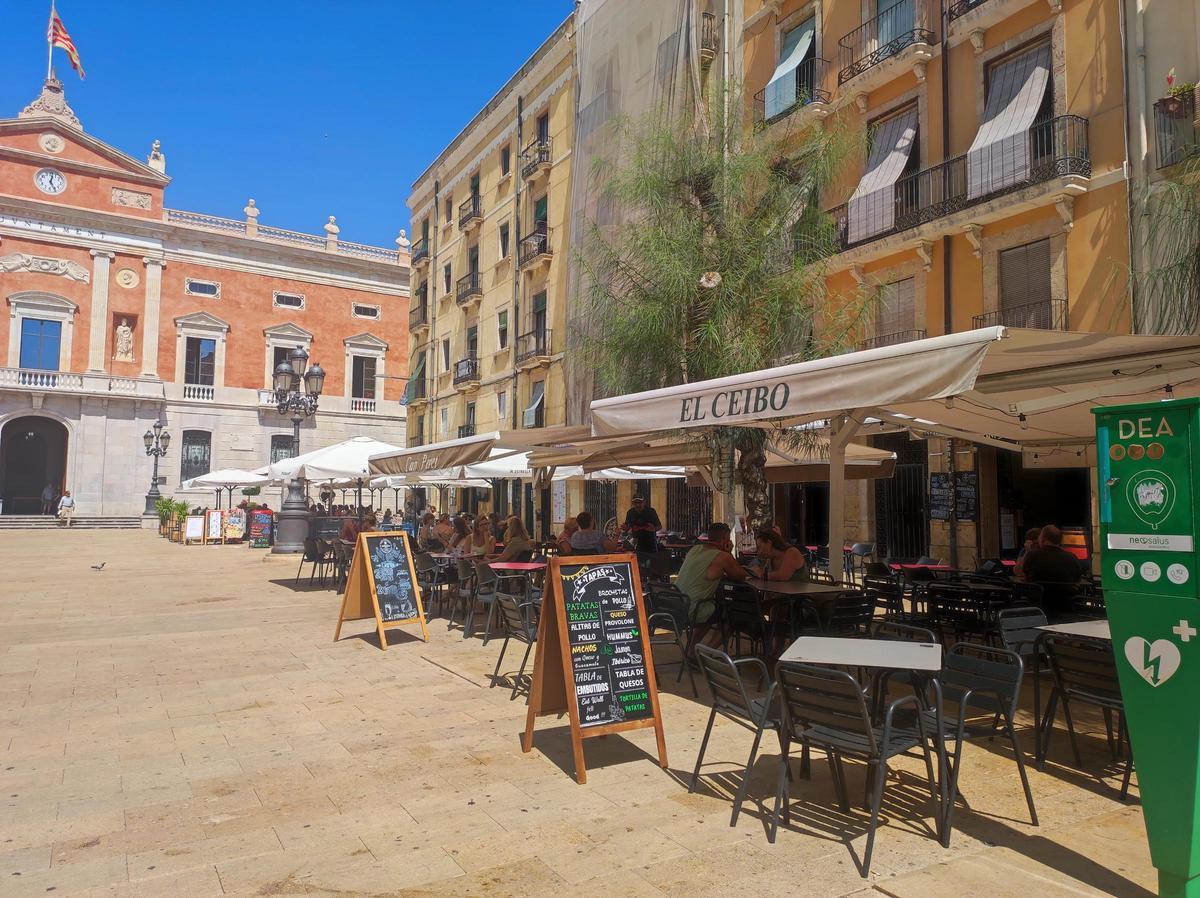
229 478
348 460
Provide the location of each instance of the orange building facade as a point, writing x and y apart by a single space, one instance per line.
123 312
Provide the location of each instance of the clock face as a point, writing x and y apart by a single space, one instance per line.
48 180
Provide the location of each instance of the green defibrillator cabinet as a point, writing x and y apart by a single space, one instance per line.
1148 457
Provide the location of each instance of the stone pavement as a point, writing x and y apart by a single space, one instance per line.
181 723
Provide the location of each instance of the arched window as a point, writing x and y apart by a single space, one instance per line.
195 456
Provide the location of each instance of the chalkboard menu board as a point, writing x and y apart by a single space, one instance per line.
593 656
392 578
939 497
261 523
604 633
382 585
966 507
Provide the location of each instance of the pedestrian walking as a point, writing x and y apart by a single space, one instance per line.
66 508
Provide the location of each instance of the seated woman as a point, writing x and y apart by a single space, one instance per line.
780 560
461 539
425 538
517 545
570 526
482 542
589 541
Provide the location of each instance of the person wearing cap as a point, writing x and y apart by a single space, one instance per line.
642 521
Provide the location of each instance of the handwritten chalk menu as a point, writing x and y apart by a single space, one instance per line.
966 500
193 529
261 523
603 631
382 584
593 656
939 497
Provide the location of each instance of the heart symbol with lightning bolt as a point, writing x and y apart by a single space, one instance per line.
1155 662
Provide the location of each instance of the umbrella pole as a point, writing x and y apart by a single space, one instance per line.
218 498
358 499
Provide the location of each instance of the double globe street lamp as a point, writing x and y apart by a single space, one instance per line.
297 391
156 440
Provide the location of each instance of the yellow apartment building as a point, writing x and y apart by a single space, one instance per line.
490 260
992 191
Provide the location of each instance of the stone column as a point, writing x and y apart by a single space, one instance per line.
150 337
99 327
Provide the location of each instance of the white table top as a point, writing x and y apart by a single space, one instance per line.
1096 629
793 587
889 653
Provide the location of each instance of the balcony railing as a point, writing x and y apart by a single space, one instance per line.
199 392
710 40
419 251
470 212
418 315
802 88
416 391
534 246
250 228
1048 315
1054 148
466 370
892 339
468 287
895 28
466 430
962 7
533 345
534 157
362 406
1176 137
36 379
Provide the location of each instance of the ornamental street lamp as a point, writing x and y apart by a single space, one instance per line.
156 441
297 391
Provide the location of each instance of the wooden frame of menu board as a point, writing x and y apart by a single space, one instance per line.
361 599
553 670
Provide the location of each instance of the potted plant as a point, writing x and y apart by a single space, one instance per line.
1175 102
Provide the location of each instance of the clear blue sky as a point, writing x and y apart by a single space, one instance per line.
312 108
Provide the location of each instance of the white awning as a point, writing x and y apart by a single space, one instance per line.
781 89
468 450
872 206
346 460
1000 154
229 478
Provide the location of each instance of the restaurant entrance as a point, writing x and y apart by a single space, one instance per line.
1030 496
901 516
33 452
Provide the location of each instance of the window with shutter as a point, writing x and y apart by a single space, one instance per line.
897 310
1025 299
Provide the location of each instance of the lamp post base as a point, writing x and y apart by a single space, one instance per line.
291 524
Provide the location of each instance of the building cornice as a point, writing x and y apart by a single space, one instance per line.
126 165
78 165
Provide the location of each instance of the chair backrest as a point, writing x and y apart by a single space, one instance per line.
886 629
991 675
877 569
484 574
1019 628
422 562
1026 594
740 609
311 552
818 696
513 616
1084 667
885 593
668 600
724 682
852 613
928 559
466 570
862 550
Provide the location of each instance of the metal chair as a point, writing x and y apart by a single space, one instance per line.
851 615
464 591
1084 671
520 622
986 681
826 709
730 700
484 594
740 613
669 613
856 559
1018 629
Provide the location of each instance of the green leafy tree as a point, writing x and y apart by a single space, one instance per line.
717 266
1167 279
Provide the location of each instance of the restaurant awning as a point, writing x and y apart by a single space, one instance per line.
468 450
1010 388
346 460
229 478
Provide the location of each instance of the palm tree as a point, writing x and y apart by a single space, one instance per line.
716 267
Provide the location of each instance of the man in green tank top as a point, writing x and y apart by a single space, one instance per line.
705 565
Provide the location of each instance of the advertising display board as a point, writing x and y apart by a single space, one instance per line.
382 584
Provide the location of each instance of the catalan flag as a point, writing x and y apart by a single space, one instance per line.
58 37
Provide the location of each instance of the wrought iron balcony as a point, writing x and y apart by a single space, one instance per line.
535 158
534 247
470 212
466 430
876 40
533 347
466 371
1048 315
468 289
418 315
1055 148
803 88
962 7
892 339
1176 137
419 253
710 40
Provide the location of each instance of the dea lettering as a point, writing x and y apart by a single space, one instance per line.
1151 496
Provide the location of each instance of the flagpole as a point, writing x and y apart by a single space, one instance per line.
50 45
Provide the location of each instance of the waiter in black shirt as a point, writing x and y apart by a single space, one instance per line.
642 521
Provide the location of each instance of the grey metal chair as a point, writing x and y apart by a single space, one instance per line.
519 621
826 709
856 560
464 591
1018 629
731 700
669 614
484 594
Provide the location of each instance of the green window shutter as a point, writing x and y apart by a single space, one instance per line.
539 302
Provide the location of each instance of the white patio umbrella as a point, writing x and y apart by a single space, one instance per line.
347 460
226 479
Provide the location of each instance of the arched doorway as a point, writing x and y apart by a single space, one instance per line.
33 452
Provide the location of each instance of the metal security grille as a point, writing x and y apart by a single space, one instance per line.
195 454
901 522
689 508
600 498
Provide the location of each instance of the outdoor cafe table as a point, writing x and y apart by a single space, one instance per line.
1087 629
514 569
823 593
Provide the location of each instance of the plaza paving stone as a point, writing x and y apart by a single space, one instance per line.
182 723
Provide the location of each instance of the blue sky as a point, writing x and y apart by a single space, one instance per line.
312 108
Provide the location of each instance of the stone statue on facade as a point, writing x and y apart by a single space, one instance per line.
124 342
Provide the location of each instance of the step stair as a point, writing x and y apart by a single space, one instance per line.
82 522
